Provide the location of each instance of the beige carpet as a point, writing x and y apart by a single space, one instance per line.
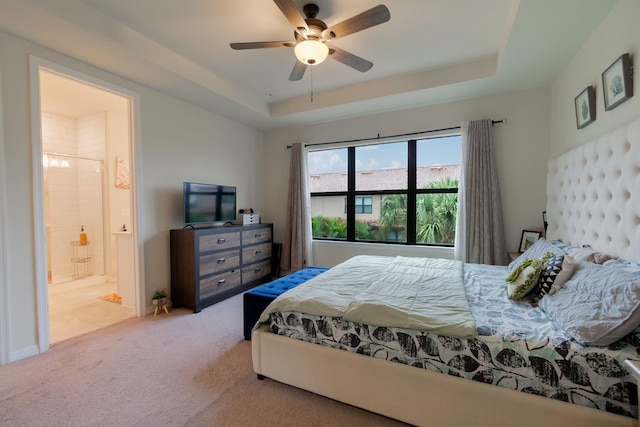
176 369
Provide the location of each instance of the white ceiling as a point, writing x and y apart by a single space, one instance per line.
431 51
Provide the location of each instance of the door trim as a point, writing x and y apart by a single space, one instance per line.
37 64
4 290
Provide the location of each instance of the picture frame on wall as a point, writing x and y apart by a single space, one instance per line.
617 82
585 107
528 238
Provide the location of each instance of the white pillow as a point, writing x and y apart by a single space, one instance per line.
537 250
598 305
588 254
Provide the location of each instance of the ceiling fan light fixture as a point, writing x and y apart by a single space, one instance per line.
311 52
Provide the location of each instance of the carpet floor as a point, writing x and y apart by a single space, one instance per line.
176 369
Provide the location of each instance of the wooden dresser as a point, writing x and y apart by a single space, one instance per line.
211 264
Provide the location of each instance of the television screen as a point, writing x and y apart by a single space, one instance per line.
208 203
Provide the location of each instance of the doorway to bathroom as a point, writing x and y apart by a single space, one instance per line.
87 205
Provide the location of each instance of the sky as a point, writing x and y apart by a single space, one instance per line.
433 151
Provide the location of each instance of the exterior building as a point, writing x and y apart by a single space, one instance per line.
368 206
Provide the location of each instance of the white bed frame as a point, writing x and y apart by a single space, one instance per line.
415 396
592 189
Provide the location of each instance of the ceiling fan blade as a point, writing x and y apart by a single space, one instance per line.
350 59
362 21
261 45
291 12
298 71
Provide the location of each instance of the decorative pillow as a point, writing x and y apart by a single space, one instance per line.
524 278
548 275
537 250
598 306
568 266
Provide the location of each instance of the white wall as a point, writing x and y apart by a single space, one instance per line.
521 146
619 33
118 144
189 144
178 142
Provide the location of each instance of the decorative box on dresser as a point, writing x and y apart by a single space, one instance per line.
211 264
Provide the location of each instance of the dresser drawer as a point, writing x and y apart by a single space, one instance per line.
247 219
257 235
256 253
219 283
218 241
256 271
219 261
210 264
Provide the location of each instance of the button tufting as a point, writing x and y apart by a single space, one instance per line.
592 190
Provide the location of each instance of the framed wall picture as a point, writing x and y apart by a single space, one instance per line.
617 84
585 107
122 173
528 239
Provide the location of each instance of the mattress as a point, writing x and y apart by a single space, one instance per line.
516 347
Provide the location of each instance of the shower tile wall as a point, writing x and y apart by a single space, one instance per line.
73 196
91 144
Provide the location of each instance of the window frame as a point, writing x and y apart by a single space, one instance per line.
362 205
411 193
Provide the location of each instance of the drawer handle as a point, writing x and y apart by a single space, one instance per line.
222 240
221 260
257 235
258 252
257 270
222 282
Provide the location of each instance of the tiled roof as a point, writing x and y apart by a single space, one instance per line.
382 179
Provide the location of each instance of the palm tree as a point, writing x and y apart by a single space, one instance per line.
393 214
436 214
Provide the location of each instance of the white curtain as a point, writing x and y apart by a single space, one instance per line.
296 249
479 228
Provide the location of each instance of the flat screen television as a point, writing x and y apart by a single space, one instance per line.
208 203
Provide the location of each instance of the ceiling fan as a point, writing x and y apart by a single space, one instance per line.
311 36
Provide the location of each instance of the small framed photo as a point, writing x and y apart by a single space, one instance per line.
528 239
617 83
586 107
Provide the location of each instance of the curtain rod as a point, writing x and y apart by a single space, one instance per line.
493 122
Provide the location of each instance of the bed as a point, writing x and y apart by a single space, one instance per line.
501 371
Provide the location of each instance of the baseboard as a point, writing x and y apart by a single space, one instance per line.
29 351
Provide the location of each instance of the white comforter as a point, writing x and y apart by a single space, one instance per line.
415 293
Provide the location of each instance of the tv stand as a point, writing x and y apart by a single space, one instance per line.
214 263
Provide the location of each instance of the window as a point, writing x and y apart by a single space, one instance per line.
364 205
402 192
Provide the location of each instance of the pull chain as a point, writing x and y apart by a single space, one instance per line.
311 83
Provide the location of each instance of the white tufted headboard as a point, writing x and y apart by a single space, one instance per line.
593 194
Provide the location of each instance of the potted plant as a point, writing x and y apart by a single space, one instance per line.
159 299
159 295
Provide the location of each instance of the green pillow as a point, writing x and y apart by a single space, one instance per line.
524 277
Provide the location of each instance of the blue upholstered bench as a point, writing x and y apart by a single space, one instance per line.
256 300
